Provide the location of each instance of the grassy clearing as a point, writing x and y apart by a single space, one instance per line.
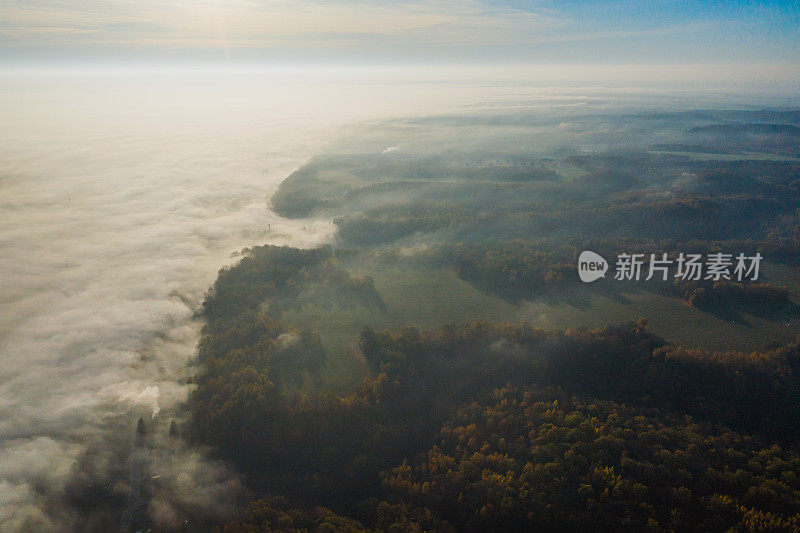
423 298
744 156
431 297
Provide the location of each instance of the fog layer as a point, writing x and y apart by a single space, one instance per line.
120 197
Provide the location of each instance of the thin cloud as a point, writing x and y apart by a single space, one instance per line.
266 23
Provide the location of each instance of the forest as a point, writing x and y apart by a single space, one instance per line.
505 425
490 427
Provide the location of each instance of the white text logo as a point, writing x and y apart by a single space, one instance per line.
591 266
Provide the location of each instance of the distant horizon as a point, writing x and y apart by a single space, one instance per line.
780 79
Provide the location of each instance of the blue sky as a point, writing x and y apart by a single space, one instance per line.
415 31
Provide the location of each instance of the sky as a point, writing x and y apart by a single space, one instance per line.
737 33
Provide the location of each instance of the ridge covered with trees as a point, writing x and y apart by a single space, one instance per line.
491 427
475 425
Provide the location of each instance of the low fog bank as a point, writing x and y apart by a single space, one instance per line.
103 271
111 233
120 200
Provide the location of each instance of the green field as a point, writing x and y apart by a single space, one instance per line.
744 156
430 297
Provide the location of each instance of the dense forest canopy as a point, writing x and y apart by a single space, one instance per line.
361 387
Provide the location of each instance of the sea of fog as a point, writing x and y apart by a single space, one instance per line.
122 193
